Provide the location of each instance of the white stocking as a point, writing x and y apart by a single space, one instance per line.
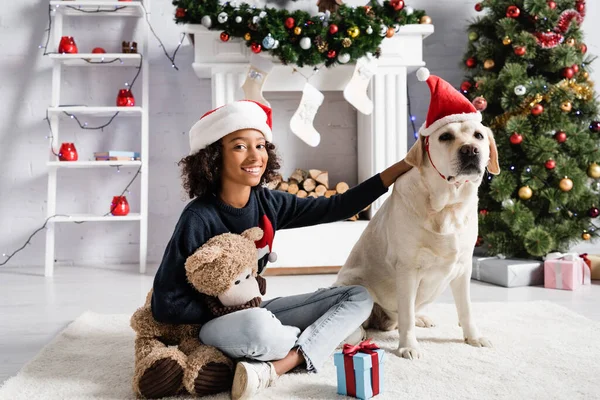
355 91
255 78
302 120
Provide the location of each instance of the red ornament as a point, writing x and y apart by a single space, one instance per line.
513 12
290 23
583 48
180 12
551 5
516 138
119 206
483 212
537 109
478 7
471 62
575 68
67 152
594 212
333 29
331 54
595 126
465 86
125 98
255 47
479 241
98 50
67 45
580 7
550 164
560 136
224 36
568 73
520 50
397 4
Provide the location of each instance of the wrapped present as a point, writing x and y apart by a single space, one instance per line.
594 264
359 370
565 271
507 272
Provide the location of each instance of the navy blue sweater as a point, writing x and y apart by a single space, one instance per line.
175 300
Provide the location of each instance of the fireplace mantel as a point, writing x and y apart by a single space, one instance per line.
381 136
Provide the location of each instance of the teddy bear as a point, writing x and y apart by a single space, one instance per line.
225 271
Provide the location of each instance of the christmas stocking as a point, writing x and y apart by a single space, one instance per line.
355 91
302 121
256 77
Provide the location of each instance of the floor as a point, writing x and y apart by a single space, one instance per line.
33 309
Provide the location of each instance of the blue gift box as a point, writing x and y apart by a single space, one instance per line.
363 370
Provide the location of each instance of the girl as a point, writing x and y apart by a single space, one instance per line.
231 158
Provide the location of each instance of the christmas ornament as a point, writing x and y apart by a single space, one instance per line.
575 68
483 212
478 7
516 138
593 171
506 41
222 17
565 184
520 50
560 137
548 40
585 74
180 12
289 22
570 42
247 36
586 236
206 21
513 12
425 19
347 42
301 123
473 36
508 203
565 19
238 19
333 29
537 109
67 45
479 241
331 54
583 48
390 32
353 32
224 36
520 90
465 86
369 11
551 4
594 212
369 30
525 193
568 73
595 126
343 58
129 47
383 30
580 7
125 98
268 42
409 10
397 5
98 50
67 152
297 31
321 44
255 47
550 164
480 103
566 106
119 206
305 43
488 64
471 62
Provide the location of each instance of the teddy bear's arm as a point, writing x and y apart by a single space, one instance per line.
262 284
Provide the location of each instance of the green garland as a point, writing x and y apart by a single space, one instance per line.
360 30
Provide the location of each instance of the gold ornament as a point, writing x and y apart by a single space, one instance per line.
488 64
570 41
586 236
425 19
390 32
346 42
247 36
297 30
566 106
565 184
322 45
506 41
593 171
585 74
353 32
525 193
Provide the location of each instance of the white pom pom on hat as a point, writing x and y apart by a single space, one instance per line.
423 74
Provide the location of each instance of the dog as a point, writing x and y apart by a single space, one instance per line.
421 240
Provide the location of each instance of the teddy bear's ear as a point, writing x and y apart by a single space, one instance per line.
253 234
204 255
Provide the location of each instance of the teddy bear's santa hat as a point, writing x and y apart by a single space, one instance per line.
446 105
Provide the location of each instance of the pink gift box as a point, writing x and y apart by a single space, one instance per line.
565 274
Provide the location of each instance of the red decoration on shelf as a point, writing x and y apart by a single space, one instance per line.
551 4
550 164
119 206
583 48
397 4
594 212
575 68
478 7
516 138
537 109
98 50
548 40
560 136
568 73
580 7
513 12
520 50
565 20
290 23
67 45
255 47
333 29
67 152
331 54
471 62
180 12
466 86
224 36
125 98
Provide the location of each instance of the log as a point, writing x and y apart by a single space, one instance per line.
293 188
313 194
323 179
314 173
283 186
353 218
342 187
330 193
309 184
275 182
320 190
299 175
302 194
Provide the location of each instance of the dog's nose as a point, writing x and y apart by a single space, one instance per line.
469 150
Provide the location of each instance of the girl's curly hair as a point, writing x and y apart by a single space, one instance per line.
201 171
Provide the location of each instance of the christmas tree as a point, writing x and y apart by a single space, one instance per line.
527 71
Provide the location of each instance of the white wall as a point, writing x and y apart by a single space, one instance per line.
177 100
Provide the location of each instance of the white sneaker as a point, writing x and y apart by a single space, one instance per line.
251 377
355 337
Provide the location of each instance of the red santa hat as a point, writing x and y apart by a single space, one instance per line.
220 122
446 105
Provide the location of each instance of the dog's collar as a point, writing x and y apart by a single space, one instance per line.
433 165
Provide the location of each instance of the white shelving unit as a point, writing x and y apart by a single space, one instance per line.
113 9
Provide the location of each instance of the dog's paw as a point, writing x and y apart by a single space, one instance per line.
423 321
411 353
478 342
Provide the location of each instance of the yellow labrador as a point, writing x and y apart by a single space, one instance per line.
422 238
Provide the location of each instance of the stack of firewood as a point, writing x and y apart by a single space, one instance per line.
311 183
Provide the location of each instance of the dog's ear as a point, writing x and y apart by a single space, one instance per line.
416 153
493 166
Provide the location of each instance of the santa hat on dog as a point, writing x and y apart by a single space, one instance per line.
446 105
220 122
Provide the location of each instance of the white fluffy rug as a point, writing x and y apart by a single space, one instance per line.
542 351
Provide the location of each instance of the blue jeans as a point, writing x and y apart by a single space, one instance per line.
316 323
